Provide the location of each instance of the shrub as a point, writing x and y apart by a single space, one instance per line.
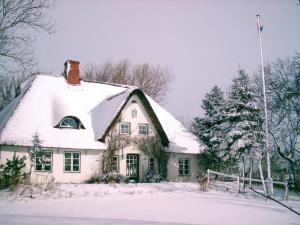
11 173
107 179
151 177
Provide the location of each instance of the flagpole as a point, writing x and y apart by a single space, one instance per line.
269 179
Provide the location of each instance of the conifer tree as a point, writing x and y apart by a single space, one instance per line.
244 119
209 129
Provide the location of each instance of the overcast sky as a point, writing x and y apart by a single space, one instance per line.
203 42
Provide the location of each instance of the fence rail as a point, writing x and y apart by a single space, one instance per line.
238 178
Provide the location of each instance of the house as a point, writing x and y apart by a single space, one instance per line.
75 120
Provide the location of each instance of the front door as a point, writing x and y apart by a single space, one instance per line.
132 166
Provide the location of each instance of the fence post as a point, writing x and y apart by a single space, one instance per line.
238 181
286 191
208 177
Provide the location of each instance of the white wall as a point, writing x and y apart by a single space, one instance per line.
89 164
173 167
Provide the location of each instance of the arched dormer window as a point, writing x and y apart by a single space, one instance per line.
70 122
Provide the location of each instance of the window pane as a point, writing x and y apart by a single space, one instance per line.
67 167
67 155
76 162
68 161
76 155
47 168
76 168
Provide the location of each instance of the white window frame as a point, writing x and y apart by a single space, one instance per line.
182 164
143 125
115 159
44 164
129 128
72 162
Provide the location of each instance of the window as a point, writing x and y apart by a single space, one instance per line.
43 162
72 162
184 167
134 113
68 122
143 129
115 164
151 165
124 128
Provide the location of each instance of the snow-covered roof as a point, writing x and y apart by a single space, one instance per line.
45 100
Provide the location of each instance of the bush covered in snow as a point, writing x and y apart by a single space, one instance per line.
151 177
107 178
11 173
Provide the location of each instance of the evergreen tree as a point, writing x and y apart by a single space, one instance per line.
244 131
209 129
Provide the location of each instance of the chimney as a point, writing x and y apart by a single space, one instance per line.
72 72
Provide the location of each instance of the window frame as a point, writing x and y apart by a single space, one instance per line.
182 164
72 162
143 125
43 170
129 128
151 165
133 113
115 168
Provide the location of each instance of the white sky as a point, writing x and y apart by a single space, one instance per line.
203 42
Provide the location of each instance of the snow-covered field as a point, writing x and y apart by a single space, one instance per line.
163 203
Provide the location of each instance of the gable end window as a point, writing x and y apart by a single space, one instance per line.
143 129
43 163
184 167
125 128
72 162
134 113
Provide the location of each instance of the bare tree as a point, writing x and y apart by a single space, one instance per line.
16 18
153 80
283 87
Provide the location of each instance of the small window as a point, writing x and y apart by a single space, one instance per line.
124 128
68 122
184 167
72 162
43 163
133 101
143 129
115 164
151 165
134 113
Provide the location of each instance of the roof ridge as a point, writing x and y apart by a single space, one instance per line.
108 83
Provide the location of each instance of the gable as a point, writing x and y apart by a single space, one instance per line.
147 113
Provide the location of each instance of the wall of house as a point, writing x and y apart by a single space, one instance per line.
142 117
173 167
89 164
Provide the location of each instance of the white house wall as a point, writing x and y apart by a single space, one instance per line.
89 164
173 167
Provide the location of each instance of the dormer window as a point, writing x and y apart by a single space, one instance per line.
70 122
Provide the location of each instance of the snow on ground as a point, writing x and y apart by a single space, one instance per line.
163 203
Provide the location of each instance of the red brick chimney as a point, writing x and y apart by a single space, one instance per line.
72 72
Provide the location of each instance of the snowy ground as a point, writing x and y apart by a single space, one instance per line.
164 203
